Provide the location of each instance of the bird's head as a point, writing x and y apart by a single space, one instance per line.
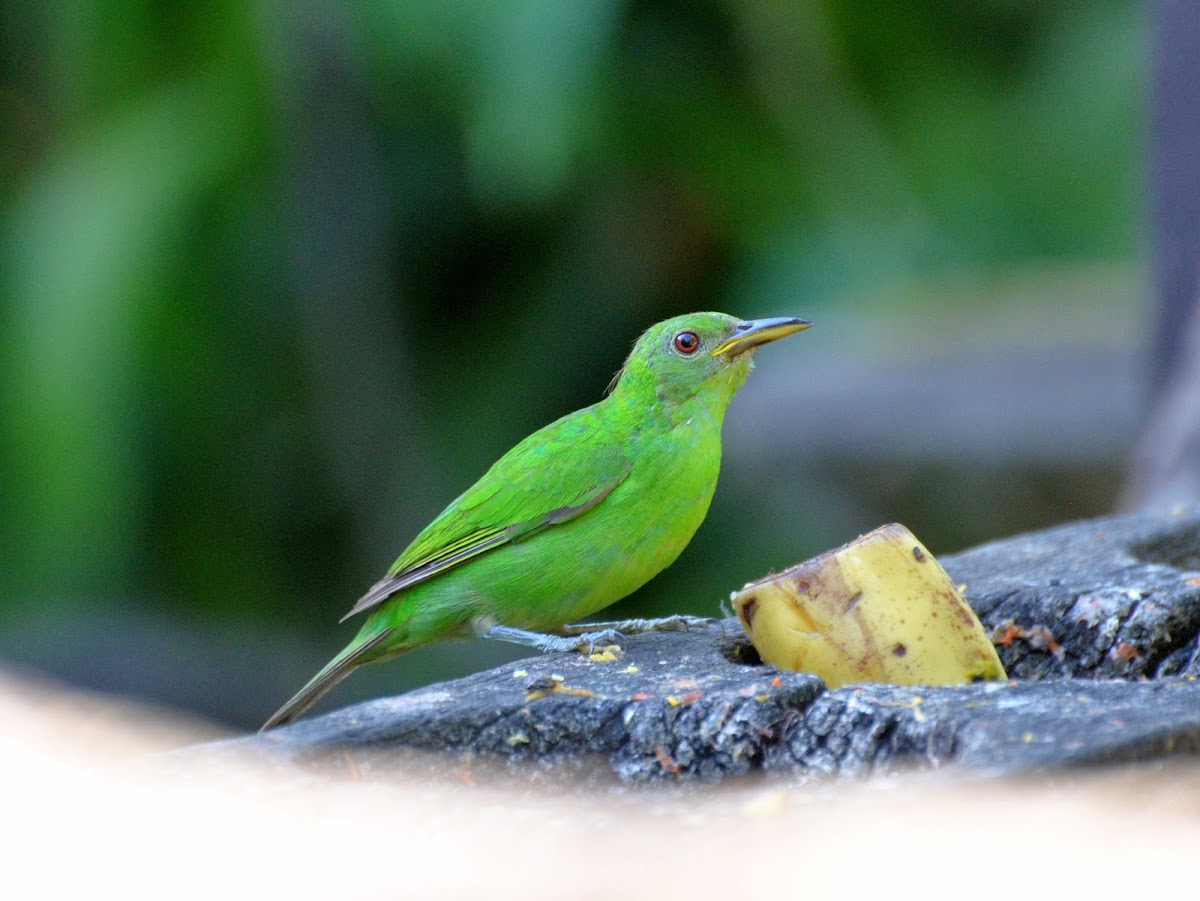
710 352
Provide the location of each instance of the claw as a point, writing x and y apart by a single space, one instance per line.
589 641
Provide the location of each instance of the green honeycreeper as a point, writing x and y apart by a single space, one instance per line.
576 516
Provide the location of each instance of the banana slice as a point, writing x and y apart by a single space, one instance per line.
879 609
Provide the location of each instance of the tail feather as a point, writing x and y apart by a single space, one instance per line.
330 675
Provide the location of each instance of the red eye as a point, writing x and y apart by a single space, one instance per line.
687 343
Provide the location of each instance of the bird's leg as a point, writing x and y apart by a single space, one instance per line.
680 623
588 636
549 644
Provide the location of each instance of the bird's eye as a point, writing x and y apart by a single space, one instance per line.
687 343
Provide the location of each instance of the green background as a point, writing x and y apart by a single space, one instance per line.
279 280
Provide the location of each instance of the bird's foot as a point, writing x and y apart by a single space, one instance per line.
553 644
680 623
587 637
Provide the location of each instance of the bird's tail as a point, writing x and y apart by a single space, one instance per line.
353 655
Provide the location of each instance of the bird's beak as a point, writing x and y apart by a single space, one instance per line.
750 334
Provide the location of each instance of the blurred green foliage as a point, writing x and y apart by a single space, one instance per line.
280 279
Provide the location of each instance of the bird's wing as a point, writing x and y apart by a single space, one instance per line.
553 476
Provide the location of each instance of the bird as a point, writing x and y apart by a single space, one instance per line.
575 517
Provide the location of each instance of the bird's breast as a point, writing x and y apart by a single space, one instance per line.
672 483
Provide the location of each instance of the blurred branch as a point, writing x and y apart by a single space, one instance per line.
1166 466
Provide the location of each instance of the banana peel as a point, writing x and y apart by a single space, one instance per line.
879 609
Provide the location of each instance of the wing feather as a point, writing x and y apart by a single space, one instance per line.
552 477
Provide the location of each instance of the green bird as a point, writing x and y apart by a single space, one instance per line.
575 517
